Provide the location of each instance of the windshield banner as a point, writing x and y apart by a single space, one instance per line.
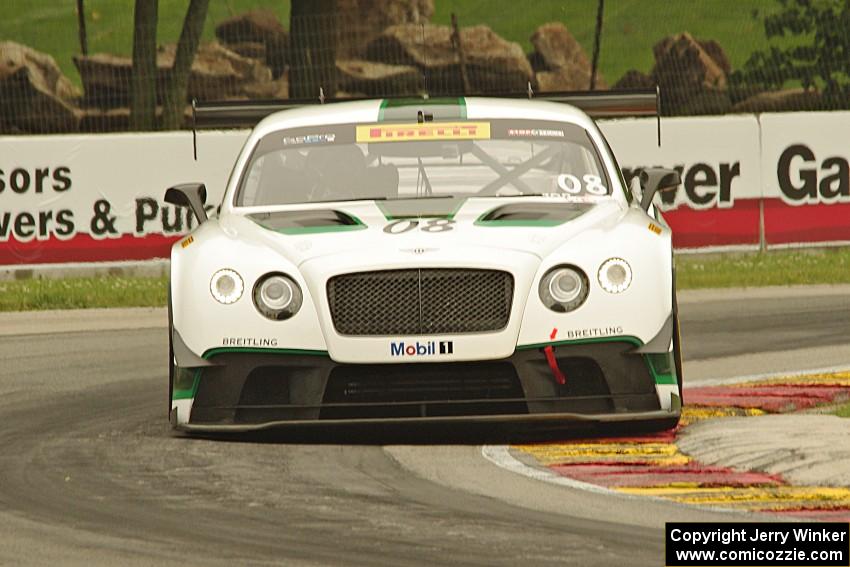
372 133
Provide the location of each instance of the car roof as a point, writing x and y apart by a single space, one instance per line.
406 109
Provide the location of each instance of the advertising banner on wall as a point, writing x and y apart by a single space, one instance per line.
718 159
99 198
806 177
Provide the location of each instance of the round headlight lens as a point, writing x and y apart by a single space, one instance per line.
277 296
226 286
564 288
565 285
615 275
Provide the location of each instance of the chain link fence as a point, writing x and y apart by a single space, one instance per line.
375 48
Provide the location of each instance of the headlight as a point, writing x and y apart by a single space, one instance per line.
564 288
277 296
226 286
615 275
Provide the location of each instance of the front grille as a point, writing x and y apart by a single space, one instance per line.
422 390
427 301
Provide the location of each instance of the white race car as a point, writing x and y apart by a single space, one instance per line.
425 259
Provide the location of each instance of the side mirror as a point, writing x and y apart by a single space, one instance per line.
192 195
655 179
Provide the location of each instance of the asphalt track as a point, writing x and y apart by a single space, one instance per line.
90 474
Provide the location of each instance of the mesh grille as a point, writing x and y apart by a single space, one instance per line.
420 301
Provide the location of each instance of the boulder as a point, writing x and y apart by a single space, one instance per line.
560 61
216 73
634 79
377 79
361 21
555 47
106 79
567 78
257 27
275 89
716 52
34 94
249 49
781 101
684 69
492 64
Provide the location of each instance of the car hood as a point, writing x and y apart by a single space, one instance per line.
413 231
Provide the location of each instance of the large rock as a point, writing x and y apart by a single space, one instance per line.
257 27
106 79
34 94
492 64
216 73
555 47
276 89
361 21
781 101
377 79
567 78
684 70
716 52
634 79
560 61
250 49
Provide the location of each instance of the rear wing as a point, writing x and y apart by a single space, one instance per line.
597 104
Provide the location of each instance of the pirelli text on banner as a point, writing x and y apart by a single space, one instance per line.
762 544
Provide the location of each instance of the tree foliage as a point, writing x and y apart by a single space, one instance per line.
819 59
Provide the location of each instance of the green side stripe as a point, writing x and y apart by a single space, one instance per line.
180 392
663 368
220 350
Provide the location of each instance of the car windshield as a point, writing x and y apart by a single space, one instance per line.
488 158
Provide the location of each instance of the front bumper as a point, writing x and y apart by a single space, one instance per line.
606 381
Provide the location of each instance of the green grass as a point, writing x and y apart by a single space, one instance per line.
82 293
843 411
631 27
823 266
829 266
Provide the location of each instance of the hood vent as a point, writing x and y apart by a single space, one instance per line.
307 221
533 214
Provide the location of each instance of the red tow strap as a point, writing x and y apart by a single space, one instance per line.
549 351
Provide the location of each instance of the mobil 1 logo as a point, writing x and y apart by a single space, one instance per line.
419 349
